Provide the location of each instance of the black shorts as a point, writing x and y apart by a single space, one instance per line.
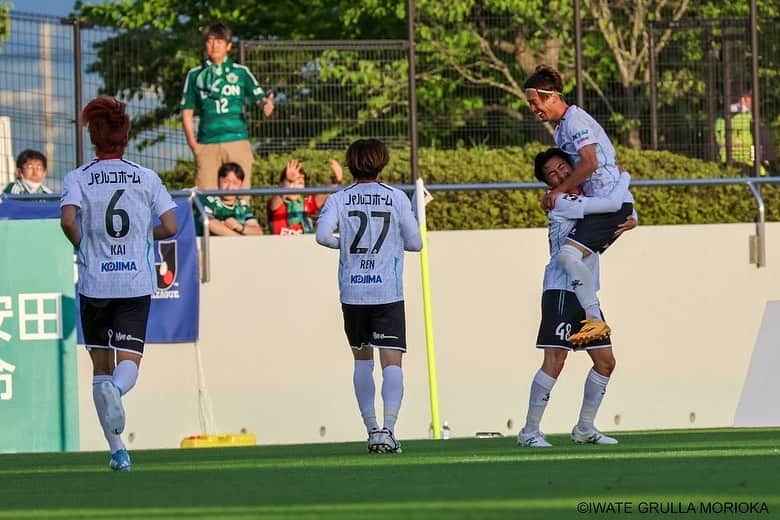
116 323
378 326
561 317
597 231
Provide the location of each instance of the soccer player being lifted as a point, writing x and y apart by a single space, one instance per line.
561 312
596 173
116 201
375 226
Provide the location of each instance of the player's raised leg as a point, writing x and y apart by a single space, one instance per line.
583 284
585 432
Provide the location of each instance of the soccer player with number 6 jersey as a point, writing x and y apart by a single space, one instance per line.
375 225
107 209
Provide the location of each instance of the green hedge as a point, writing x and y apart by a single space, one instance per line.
518 209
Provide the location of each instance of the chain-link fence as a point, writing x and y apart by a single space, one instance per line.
331 92
38 91
700 91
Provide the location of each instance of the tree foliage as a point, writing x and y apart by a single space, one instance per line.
5 21
473 55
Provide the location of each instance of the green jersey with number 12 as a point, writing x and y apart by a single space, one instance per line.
117 200
218 93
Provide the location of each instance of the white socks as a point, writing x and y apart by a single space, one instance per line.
392 394
541 387
595 388
125 376
114 441
582 282
363 380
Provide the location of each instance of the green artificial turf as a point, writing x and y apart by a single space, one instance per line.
452 479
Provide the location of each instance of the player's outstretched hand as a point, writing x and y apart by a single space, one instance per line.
293 170
268 104
338 173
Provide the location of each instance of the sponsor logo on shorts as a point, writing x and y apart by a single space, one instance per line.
117 265
356 279
121 336
379 335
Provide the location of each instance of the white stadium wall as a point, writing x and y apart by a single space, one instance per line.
683 301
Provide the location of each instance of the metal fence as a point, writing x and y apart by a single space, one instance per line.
330 92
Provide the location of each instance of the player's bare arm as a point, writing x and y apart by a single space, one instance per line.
587 165
69 225
292 172
251 227
335 179
268 104
188 123
167 226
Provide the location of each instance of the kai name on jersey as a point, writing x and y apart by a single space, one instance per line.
368 199
114 178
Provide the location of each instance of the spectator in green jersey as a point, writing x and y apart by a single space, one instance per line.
217 91
227 216
30 174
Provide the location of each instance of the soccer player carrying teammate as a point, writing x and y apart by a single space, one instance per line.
595 170
561 312
115 200
375 225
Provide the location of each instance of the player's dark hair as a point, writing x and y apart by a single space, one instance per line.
218 30
366 158
545 78
541 159
228 167
30 155
108 124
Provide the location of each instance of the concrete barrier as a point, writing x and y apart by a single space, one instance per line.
684 303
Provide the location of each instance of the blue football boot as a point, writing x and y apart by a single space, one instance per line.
120 461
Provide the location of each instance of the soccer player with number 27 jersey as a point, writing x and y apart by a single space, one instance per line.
375 225
115 201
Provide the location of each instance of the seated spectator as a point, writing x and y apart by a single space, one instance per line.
30 174
227 215
292 214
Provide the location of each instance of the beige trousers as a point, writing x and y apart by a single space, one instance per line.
210 157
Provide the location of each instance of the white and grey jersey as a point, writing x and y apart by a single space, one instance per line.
578 129
563 217
575 207
375 225
116 200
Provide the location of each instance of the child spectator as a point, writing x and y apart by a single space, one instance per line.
293 214
227 216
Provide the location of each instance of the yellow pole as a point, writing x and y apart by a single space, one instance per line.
426 290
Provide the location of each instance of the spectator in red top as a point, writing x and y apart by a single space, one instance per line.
292 214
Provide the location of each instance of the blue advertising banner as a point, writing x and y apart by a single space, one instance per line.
173 317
